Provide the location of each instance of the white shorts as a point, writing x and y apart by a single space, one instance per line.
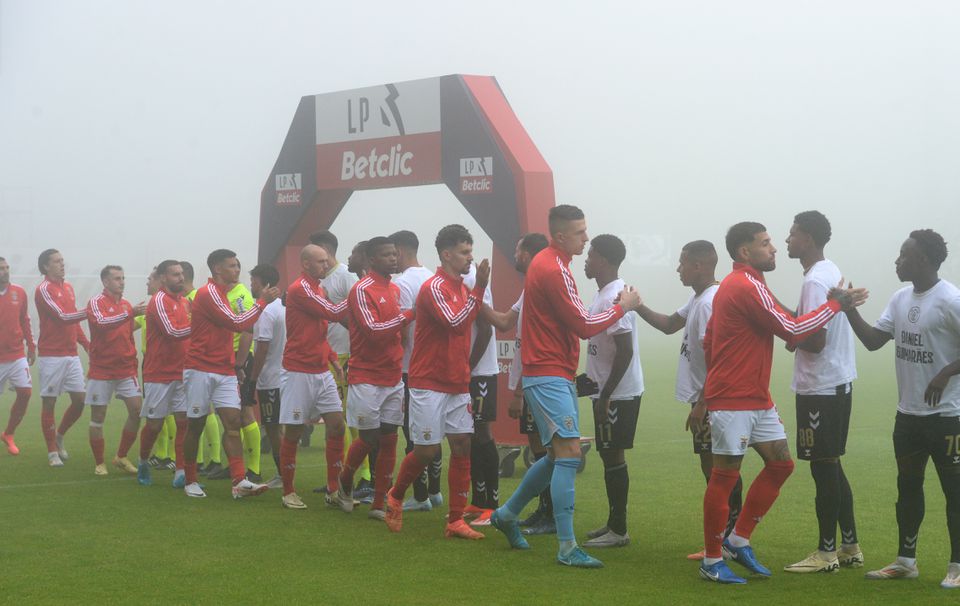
434 414
370 405
162 399
17 373
60 374
100 391
205 388
733 431
306 397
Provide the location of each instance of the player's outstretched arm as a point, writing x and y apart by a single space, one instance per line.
872 337
662 322
502 321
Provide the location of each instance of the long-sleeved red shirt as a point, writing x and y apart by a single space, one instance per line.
441 352
376 323
14 324
308 311
113 354
59 319
554 317
168 334
738 345
212 324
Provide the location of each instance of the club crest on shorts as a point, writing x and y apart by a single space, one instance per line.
94 397
426 434
196 410
568 423
743 441
296 414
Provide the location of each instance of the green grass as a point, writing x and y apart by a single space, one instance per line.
68 537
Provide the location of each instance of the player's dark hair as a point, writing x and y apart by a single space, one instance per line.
267 273
609 247
325 239
376 242
451 235
701 250
932 245
560 215
188 273
740 234
44 258
533 243
166 265
814 224
405 239
219 256
107 269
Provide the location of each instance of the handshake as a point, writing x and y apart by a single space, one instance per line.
849 298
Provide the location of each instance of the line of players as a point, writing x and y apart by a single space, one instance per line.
724 369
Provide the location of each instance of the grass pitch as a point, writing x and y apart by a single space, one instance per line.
69 537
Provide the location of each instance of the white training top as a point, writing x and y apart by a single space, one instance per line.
926 330
601 348
409 282
337 285
487 366
692 368
516 365
819 374
271 328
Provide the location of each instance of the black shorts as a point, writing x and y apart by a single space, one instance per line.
822 425
248 390
933 435
483 398
527 425
702 440
616 431
269 400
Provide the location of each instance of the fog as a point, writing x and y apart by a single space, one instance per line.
131 131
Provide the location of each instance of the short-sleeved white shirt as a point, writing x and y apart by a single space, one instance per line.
488 365
692 367
409 282
516 365
819 374
271 328
337 285
926 332
601 348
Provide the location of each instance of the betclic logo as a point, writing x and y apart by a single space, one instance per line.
476 175
289 188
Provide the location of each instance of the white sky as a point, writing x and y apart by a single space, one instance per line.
135 131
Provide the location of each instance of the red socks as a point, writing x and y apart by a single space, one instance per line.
127 438
355 456
288 463
178 441
148 435
410 470
237 470
17 411
716 509
70 417
190 471
386 461
763 492
48 424
334 463
96 445
458 479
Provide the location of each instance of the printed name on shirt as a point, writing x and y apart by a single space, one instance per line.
916 356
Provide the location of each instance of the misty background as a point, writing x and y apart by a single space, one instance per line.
131 132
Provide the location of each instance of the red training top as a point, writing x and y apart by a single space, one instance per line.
441 354
376 323
554 318
113 354
738 345
59 319
308 311
212 324
14 324
168 334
